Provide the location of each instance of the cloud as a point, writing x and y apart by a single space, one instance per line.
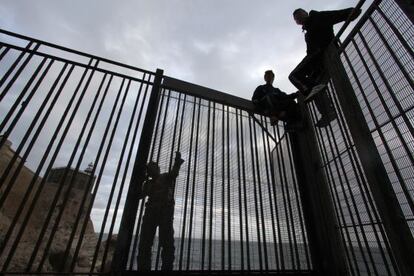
224 45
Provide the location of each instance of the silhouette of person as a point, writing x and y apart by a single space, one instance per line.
308 74
278 105
159 212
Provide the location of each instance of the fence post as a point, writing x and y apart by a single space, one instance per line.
325 242
124 239
389 209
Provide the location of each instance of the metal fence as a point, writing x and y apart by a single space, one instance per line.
70 133
378 59
69 127
77 131
230 212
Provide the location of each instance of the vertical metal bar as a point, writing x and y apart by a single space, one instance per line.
283 182
19 71
335 196
402 242
157 259
223 189
397 33
15 63
205 190
31 127
179 143
30 146
71 180
324 237
3 54
298 206
187 190
95 188
394 124
157 127
228 192
117 172
210 252
246 213
407 76
177 113
180 133
193 186
171 153
131 204
266 152
334 147
239 191
279 232
259 188
164 121
357 166
157 159
134 242
45 156
23 104
255 195
288 209
142 202
365 191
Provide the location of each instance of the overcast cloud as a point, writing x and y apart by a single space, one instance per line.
225 45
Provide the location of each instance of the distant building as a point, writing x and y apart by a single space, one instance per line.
82 179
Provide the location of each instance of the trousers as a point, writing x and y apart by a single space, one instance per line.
308 73
162 217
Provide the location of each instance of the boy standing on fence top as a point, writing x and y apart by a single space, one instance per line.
308 75
272 102
159 212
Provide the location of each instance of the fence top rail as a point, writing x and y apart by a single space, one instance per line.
208 94
12 34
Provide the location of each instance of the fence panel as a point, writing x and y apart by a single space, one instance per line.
232 210
378 58
69 127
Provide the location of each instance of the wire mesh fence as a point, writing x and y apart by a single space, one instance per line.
70 127
378 59
232 211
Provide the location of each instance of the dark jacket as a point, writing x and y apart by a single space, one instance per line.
160 191
319 28
265 89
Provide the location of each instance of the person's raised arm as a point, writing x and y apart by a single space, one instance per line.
177 164
334 17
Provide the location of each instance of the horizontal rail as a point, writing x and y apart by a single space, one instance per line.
75 51
86 66
208 94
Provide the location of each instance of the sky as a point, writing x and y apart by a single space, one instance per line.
224 45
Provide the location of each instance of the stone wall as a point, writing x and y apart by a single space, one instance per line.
38 216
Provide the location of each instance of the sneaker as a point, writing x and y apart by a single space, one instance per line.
315 91
326 119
